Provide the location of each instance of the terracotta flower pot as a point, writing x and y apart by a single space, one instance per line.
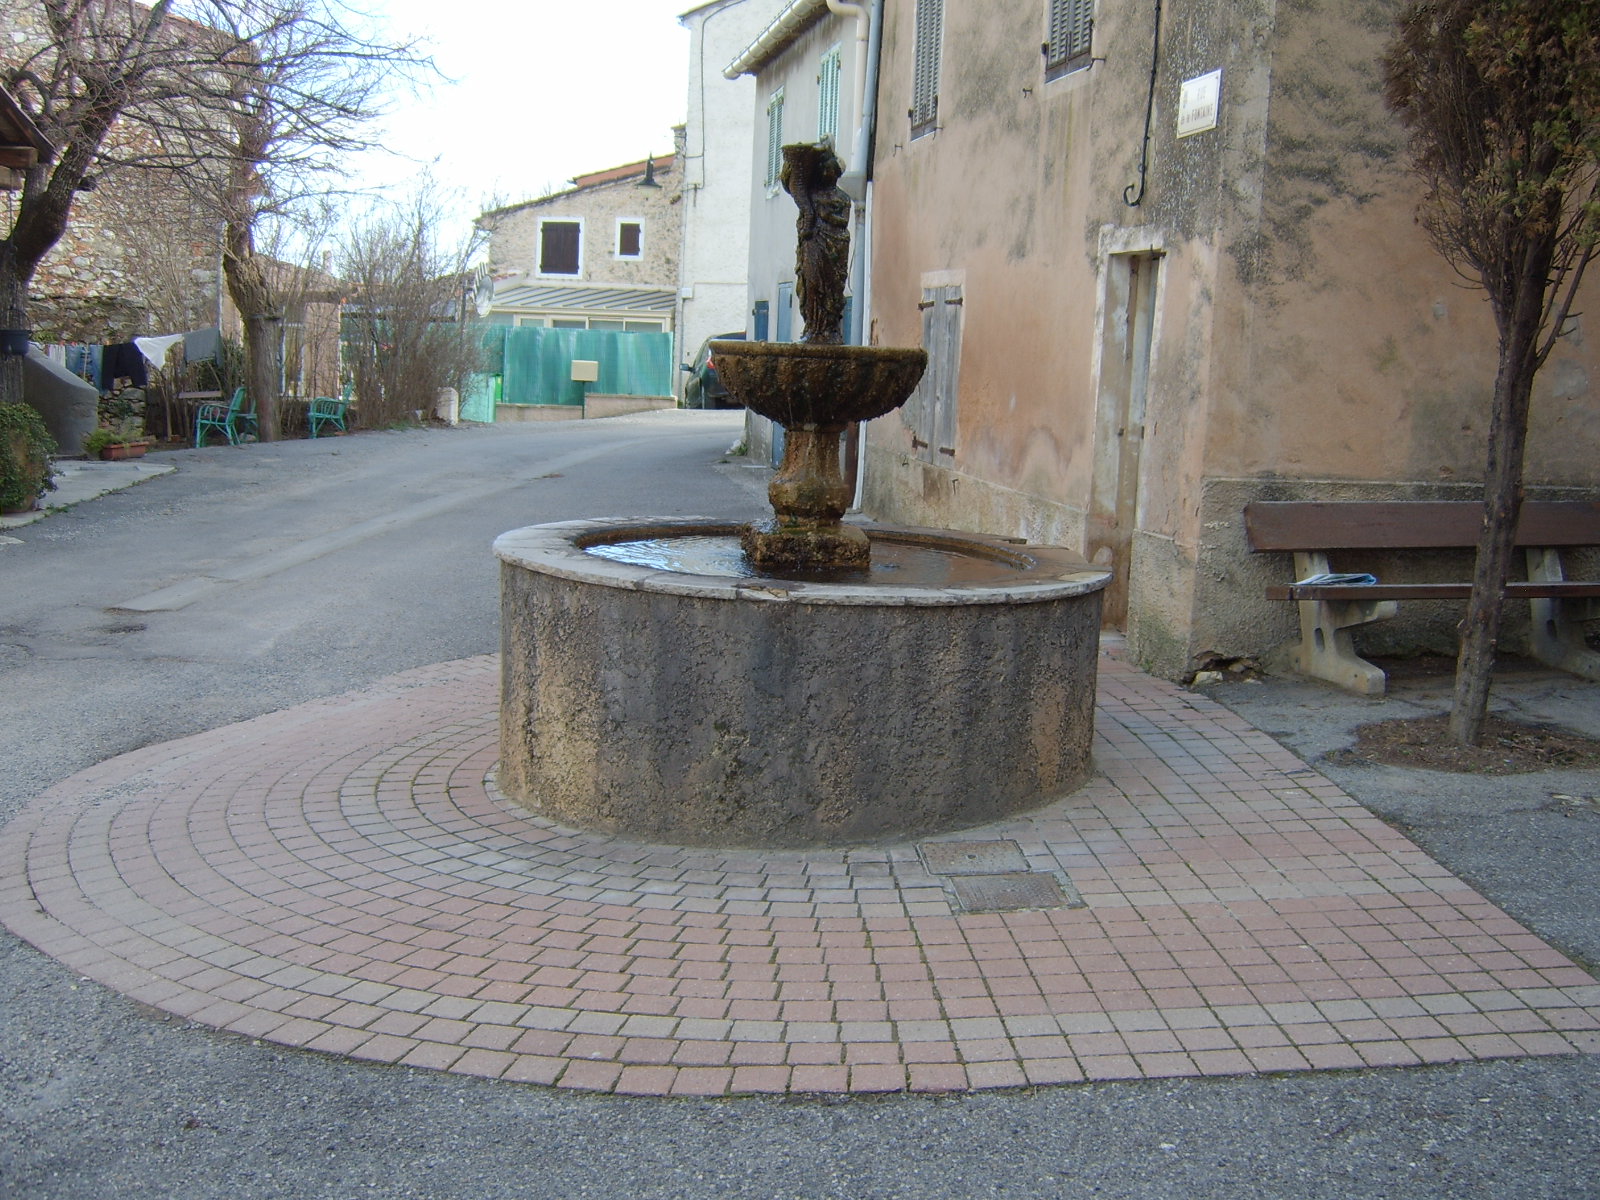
121 450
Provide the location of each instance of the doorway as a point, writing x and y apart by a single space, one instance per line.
1126 339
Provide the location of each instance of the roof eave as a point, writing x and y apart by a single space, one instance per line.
790 24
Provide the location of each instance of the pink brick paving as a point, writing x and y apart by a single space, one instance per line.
341 877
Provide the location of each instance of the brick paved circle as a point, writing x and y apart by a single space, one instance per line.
342 876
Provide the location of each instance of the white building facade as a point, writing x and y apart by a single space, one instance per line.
719 133
811 82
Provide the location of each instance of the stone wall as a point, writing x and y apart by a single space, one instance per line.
514 231
137 257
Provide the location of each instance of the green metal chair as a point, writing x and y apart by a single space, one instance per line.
235 420
325 410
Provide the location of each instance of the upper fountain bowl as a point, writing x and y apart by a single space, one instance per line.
804 385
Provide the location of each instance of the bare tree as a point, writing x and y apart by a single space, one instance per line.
80 67
407 322
248 106
1502 101
302 83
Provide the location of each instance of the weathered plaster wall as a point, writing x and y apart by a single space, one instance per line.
1307 337
1022 195
1365 366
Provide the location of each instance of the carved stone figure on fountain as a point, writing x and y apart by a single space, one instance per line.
816 387
810 175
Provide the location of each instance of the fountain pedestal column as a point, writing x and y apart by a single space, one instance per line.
809 495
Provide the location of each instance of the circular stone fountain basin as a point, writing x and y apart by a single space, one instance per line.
652 689
810 385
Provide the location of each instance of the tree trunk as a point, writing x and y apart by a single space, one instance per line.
263 351
1502 499
263 325
13 315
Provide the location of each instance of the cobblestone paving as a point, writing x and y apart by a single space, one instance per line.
342 876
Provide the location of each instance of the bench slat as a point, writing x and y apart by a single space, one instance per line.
1515 589
1410 524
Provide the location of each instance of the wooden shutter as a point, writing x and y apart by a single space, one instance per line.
1071 33
774 138
925 70
558 247
828 95
931 412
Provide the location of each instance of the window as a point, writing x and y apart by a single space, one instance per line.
1071 27
560 247
925 70
600 324
630 238
761 317
828 96
774 138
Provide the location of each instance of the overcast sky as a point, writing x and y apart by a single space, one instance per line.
544 91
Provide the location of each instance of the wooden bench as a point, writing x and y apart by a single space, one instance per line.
1312 530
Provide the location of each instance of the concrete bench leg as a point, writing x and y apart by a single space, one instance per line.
1326 649
1557 625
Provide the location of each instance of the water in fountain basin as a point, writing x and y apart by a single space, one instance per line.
894 562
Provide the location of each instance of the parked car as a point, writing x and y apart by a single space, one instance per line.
703 389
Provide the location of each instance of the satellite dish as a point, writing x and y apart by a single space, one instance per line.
483 294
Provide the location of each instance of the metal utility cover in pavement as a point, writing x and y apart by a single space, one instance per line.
996 857
1013 891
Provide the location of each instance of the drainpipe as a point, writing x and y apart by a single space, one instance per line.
855 179
856 182
866 135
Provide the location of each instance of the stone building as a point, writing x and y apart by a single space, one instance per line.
138 257
1167 266
142 252
602 254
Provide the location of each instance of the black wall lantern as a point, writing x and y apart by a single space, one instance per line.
14 342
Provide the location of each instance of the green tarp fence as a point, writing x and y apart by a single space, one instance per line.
478 403
535 364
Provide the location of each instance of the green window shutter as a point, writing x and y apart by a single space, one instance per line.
828 95
774 138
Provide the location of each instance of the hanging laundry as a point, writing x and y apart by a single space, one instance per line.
122 360
203 345
155 348
84 361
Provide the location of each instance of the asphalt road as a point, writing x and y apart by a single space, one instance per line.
255 578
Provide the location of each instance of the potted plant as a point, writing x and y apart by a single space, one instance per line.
25 450
115 442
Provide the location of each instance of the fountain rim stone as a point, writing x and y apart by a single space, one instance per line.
559 549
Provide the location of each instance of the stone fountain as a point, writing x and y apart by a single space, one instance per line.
798 681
